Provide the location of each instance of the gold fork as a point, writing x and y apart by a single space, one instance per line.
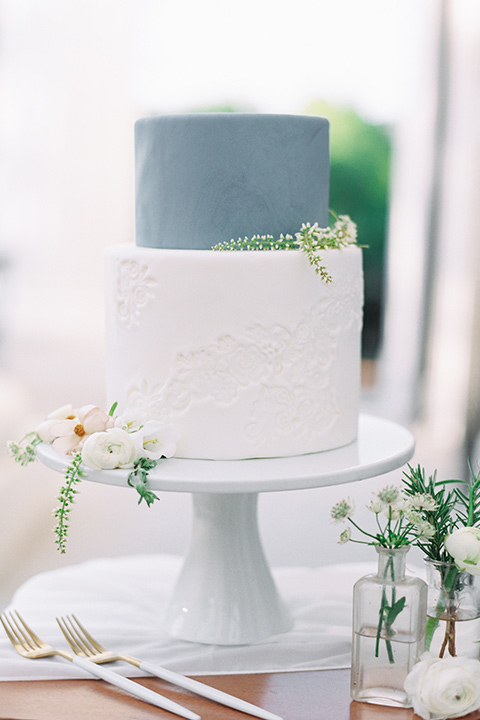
29 645
84 644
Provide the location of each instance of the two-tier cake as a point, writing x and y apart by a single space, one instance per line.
248 354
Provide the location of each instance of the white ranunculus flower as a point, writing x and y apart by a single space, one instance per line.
114 448
464 546
156 439
444 688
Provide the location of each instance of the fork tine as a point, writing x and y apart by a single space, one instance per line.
16 634
87 635
76 634
30 638
69 637
6 624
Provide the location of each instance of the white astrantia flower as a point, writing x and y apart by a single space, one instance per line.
389 495
422 501
413 516
444 688
425 530
114 448
156 439
389 502
464 546
376 506
345 536
396 509
342 510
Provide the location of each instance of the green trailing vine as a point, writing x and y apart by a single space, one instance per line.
311 239
259 242
66 498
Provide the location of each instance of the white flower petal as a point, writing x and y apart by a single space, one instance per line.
444 688
95 420
131 421
66 443
44 430
464 546
62 413
114 448
158 439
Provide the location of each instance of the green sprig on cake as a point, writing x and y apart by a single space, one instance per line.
310 239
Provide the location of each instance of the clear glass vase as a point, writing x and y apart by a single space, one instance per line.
389 616
453 612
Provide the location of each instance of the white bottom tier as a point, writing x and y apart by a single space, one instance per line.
247 354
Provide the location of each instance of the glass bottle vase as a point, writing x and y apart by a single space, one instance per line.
453 611
389 617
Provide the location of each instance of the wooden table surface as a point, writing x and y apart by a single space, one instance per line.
321 695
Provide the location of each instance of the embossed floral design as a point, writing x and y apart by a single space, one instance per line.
275 345
302 410
134 289
286 371
149 401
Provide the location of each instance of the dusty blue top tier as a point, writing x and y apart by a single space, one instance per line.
206 178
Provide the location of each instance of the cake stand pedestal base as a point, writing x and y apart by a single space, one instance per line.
225 593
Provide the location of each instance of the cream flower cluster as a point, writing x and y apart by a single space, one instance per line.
343 232
104 441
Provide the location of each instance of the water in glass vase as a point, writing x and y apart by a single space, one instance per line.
453 613
380 666
389 614
458 637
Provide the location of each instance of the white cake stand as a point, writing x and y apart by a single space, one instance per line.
225 593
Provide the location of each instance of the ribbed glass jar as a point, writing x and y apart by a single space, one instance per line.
389 616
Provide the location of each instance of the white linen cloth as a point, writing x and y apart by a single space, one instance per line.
120 601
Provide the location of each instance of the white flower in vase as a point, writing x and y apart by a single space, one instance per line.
444 688
463 544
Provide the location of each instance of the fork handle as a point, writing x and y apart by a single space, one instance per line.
207 691
134 688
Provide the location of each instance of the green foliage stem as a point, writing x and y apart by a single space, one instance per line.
138 479
441 517
66 498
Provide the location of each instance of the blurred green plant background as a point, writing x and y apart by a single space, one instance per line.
360 165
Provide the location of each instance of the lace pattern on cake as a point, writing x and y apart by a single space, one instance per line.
134 290
288 370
